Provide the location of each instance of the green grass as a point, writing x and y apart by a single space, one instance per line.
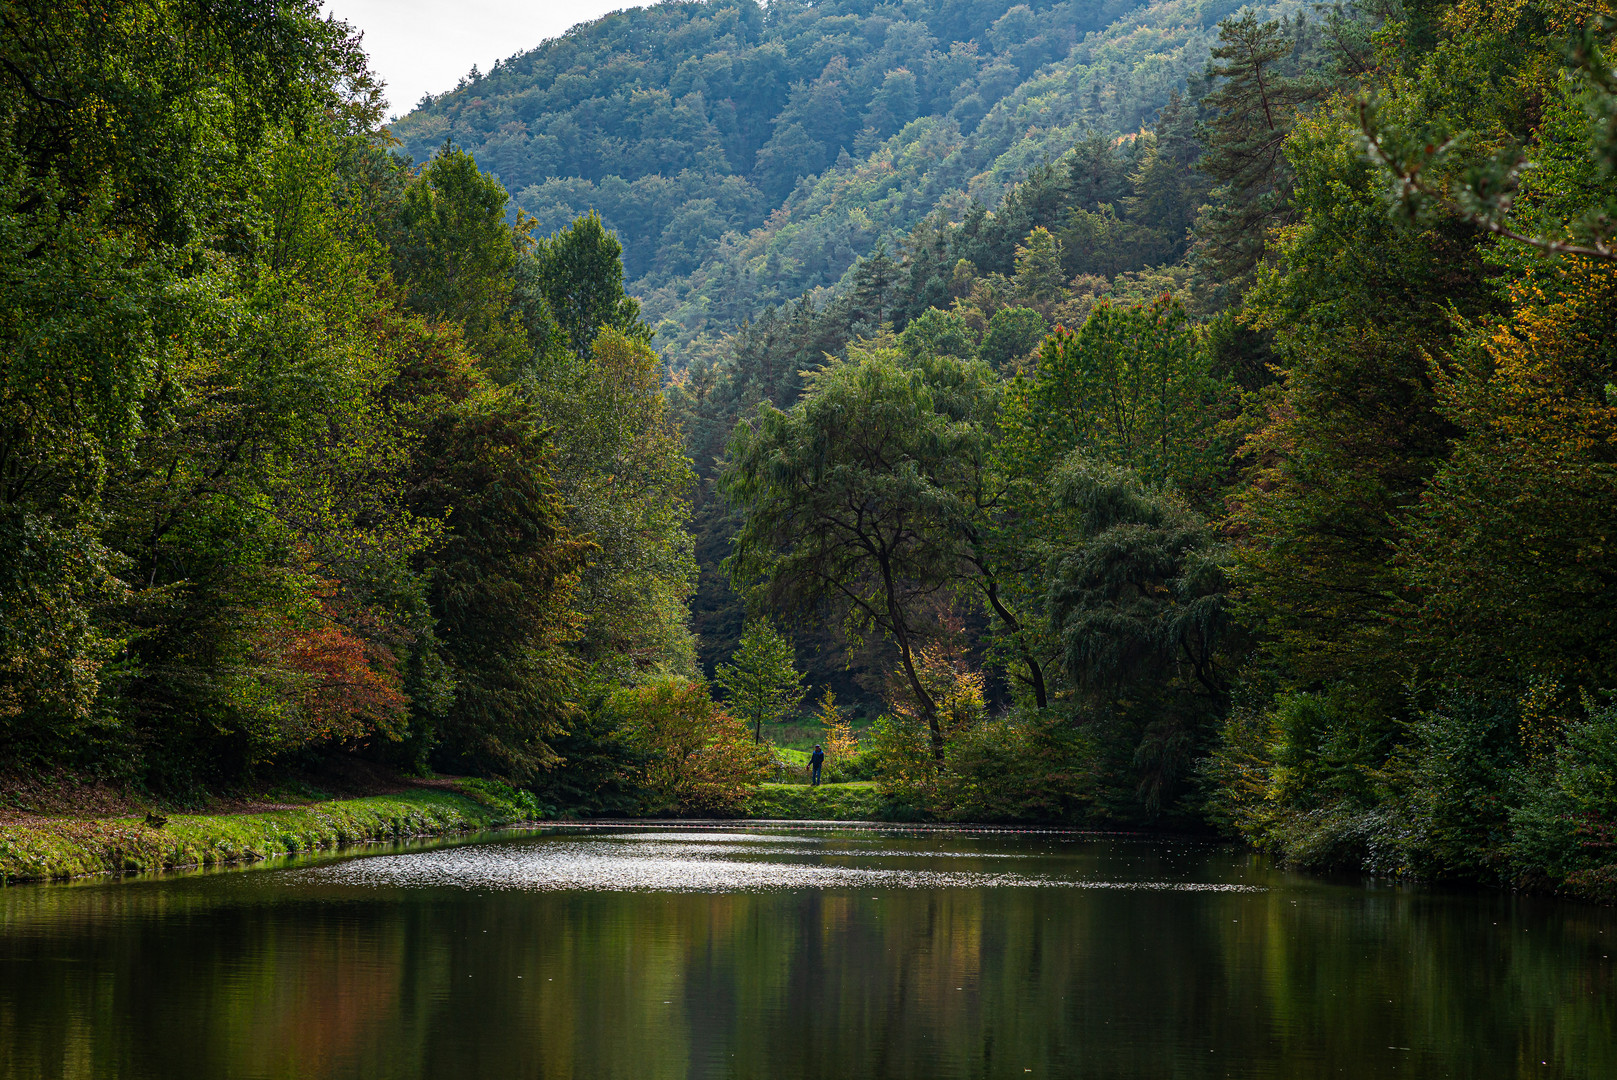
801 734
66 848
854 801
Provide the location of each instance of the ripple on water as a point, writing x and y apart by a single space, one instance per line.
602 865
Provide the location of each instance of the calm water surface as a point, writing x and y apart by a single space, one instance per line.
652 953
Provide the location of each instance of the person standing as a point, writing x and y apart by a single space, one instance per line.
815 761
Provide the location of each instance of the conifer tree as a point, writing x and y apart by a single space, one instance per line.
1254 105
1039 279
762 684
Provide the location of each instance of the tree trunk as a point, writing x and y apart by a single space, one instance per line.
929 708
1034 671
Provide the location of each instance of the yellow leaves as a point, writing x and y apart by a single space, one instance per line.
1536 385
1471 16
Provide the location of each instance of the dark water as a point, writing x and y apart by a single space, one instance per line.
650 954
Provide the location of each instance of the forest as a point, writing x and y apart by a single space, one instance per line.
1182 417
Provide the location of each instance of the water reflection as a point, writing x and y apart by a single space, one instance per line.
658 954
703 863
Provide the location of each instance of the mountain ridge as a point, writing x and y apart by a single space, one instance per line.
713 232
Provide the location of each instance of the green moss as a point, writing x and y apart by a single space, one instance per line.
857 801
72 848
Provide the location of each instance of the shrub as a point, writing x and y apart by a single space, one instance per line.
1459 775
503 799
697 759
1564 833
842 757
1304 777
1022 766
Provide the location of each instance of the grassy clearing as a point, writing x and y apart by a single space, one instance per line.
801 734
854 801
66 848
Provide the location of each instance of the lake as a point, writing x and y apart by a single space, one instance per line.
644 952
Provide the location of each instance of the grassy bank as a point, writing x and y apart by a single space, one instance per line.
55 848
856 801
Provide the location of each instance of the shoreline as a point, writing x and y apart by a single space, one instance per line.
46 847
50 848
64 849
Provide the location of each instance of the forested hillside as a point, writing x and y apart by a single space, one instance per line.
1182 416
1252 468
745 153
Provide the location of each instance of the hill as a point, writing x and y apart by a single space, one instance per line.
745 154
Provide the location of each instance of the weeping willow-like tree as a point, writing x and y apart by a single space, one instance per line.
1138 603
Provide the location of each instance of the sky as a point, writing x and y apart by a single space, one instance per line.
425 46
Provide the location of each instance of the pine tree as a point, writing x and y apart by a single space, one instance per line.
1258 97
1039 278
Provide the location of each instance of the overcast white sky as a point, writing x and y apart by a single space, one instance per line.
425 46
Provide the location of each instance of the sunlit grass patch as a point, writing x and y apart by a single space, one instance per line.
853 801
66 847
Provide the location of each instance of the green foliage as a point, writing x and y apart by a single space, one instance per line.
1039 277
905 765
601 769
843 760
625 479
501 583
1130 387
761 684
697 759
866 498
579 273
746 157
1524 493
1564 825
942 333
1013 333
1461 771
304 448
1446 174
1139 609
1260 82
277 480
1355 313
1139 591
455 254
1019 766
503 800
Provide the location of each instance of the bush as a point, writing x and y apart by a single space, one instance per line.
601 769
1305 777
1459 775
1021 766
843 759
505 800
901 757
1564 833
697 759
